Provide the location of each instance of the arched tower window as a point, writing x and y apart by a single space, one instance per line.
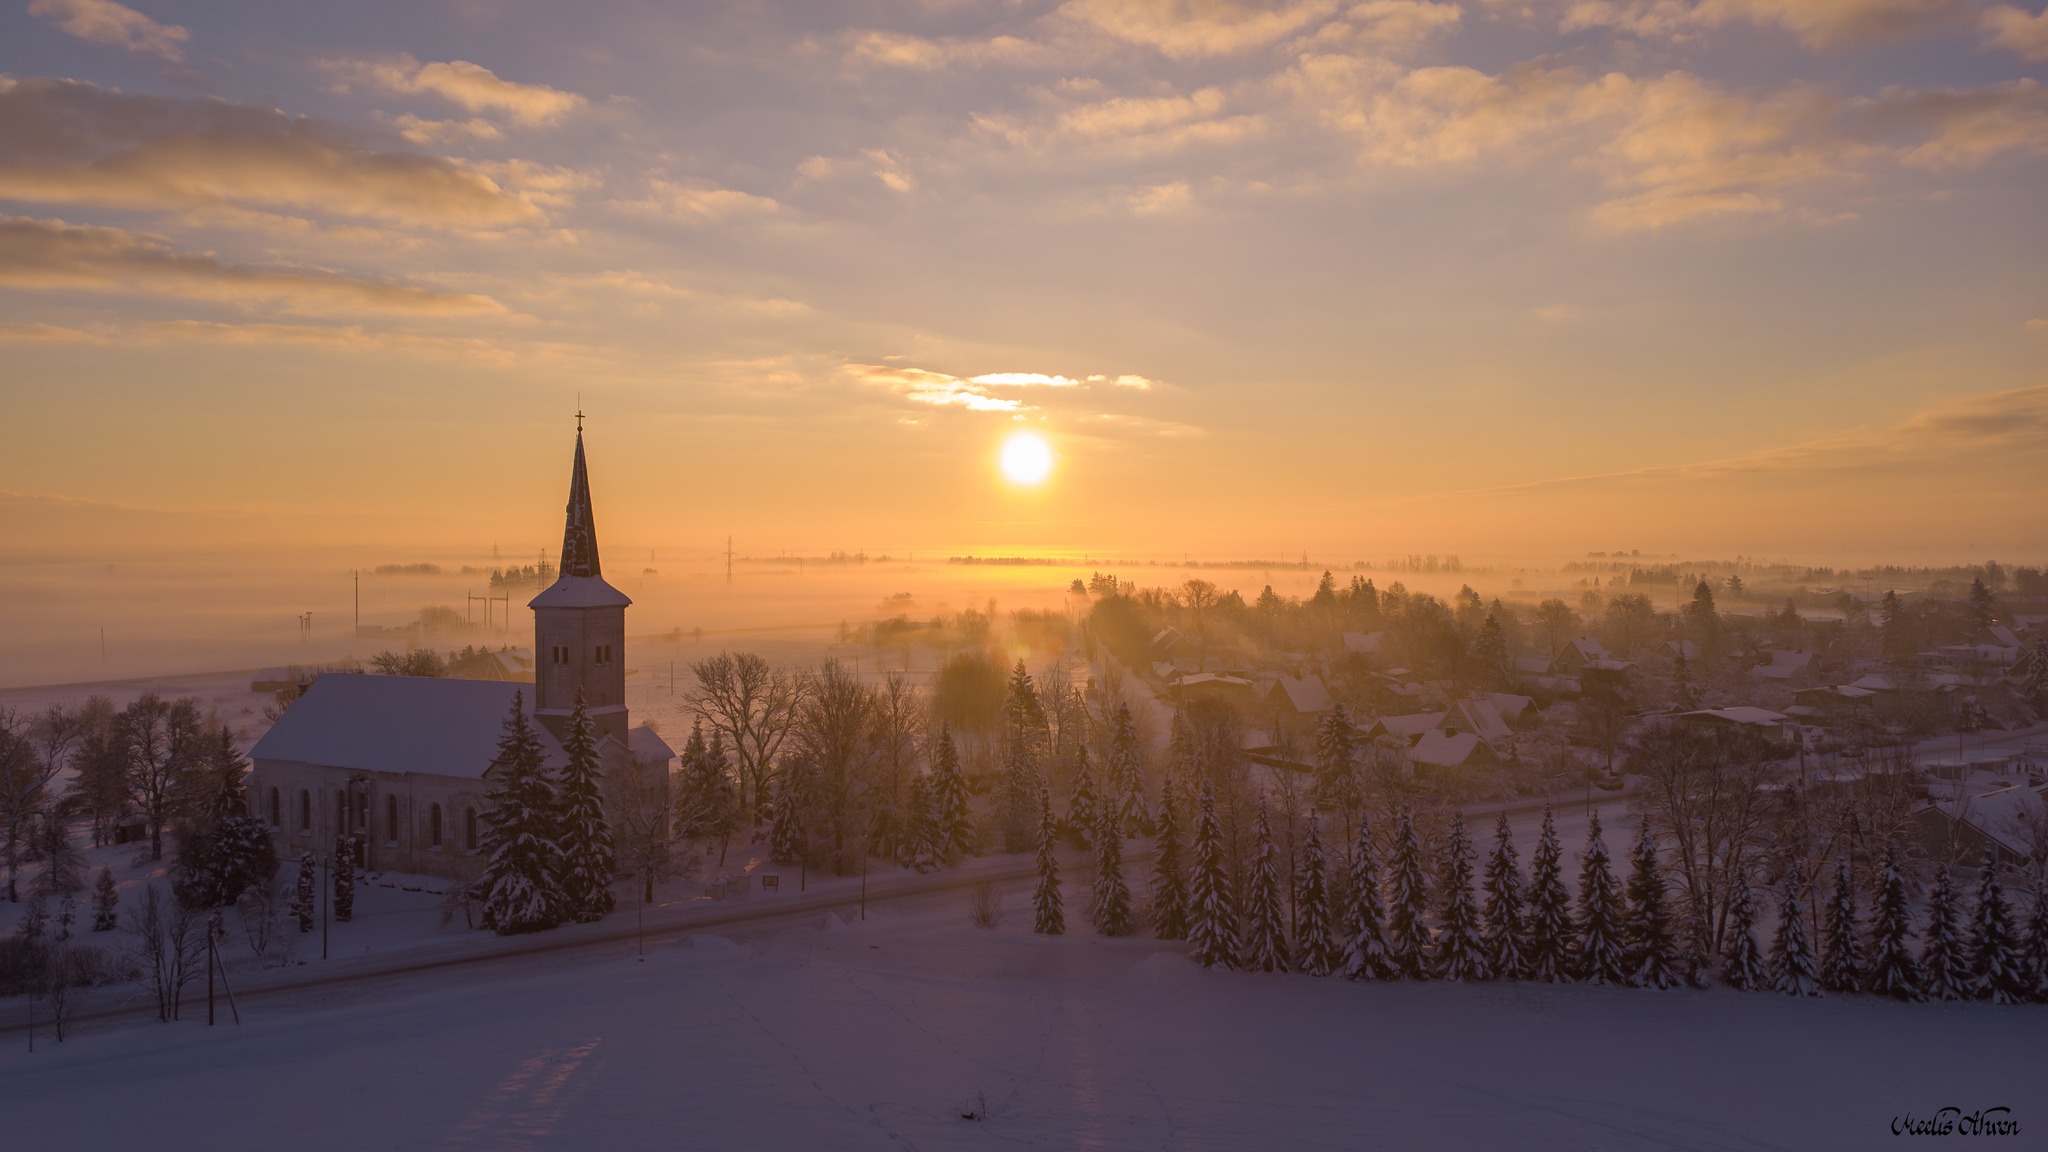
434 826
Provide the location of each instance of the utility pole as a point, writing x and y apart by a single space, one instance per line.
359 601
728 561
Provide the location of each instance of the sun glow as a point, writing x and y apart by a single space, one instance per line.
1026 459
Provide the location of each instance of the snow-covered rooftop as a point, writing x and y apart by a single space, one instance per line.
580 592
399 724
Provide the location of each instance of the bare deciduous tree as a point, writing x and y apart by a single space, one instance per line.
753 705
1708 798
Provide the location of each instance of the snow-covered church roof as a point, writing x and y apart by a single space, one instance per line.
399 724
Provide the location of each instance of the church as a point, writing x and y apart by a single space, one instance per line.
404 762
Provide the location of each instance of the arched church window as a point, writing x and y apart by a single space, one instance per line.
469 829
434 825
391 819
305 810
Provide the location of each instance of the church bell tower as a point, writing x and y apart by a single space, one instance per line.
579 627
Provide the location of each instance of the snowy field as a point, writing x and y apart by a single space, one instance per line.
819 1034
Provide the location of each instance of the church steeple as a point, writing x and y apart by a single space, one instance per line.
579 625
579 533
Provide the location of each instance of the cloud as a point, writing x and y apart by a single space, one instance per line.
699 203
51 255
1196 29
1813 22
978 393
1126 126
1024 380
2013 29
874 162
473 87
935 388
1669 149
919 54
116 25
424 132
65 142
43 334
1967 128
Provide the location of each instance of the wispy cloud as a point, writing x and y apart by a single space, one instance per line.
115 25
982 393
1197 29
50 255
64 142
472 87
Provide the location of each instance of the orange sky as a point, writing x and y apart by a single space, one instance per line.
1361 280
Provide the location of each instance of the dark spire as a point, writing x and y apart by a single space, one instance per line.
579 535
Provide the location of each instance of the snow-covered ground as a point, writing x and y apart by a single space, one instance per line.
827 1034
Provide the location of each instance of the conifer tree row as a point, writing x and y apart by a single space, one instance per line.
1505 928
1792 964
1894 970
1742 962
1841 952
1318 951
1049 915
1112 898
1408 903
589 861
1212 910
1459 955
1944 964
1265 943
1169 874
1367 956
1598 956
1550 927
1652 953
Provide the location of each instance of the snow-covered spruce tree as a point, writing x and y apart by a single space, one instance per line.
1126 776
787 841
1505 928
707 804
1652 951
522 878
1336 760
1048 913
344 868
1408 912
1111 897
588 859
1367 957
1022 744
1841 945
1169 873
2034 947
1894 971
1996 972
1944 965
1550 916
305 892
1459 954
1792 965
1265 944
1742 963
1319 952
1597 956
63 869
1083 812
949 797
1212 910
923 840
105 898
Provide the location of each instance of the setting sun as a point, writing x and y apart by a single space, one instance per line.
1026 458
